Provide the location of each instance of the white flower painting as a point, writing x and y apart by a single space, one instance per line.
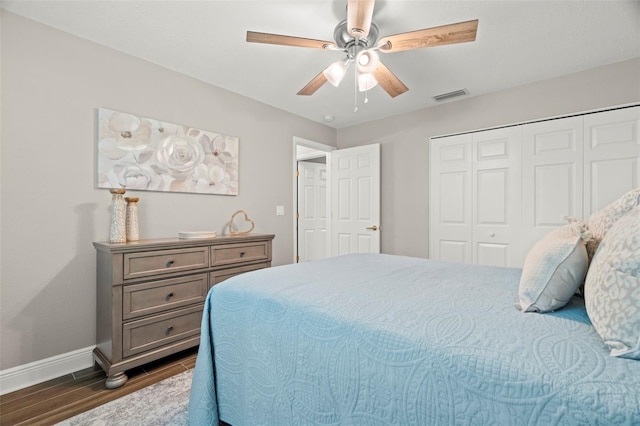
140 153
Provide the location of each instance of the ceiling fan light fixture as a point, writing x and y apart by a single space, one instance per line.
366 81
335 72
357 36
367 61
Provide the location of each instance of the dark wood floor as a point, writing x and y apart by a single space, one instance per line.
58 399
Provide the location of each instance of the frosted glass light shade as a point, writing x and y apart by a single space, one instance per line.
368 61
366 81
335 72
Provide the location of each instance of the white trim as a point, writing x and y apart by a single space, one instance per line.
22 376
538 120
311 156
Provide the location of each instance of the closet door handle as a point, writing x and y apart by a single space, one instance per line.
372 228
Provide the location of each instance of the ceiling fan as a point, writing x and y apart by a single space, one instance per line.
357 36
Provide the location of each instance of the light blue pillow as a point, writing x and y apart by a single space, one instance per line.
612 287
554 269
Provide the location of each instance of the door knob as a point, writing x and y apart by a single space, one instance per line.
373 228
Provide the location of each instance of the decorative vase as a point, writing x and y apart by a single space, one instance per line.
133 230
118 231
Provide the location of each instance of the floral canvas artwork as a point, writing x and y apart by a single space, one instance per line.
139 153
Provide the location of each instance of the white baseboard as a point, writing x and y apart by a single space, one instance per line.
22 376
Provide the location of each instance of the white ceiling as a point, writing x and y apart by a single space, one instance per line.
517 42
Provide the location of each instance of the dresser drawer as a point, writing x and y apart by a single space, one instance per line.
241 252
147 263
223 274
160 330
158 296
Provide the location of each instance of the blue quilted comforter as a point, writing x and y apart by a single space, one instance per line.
390 340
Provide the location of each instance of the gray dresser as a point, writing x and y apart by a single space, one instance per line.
150 294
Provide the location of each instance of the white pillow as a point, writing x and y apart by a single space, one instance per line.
601 221
554 268
612 288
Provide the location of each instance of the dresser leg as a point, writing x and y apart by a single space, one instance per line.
117 380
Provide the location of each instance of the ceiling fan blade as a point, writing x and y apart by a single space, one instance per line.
359 14
461 32
284 40
311 87
388 81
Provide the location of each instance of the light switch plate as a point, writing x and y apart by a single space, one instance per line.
279 210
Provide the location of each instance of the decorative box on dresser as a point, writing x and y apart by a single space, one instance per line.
151 293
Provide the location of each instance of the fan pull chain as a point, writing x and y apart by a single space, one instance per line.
355 88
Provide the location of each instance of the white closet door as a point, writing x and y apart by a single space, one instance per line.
552 185
612 156
496 197
450 200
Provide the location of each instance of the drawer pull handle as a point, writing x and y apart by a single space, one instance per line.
169 296
169 330
241 254
170 263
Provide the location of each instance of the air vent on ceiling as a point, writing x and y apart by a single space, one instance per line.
449 95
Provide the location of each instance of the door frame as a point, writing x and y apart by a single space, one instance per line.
326 149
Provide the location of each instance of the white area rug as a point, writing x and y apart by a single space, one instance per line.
161 404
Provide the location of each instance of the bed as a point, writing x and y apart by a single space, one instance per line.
372 339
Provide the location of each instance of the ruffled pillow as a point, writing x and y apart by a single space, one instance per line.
554 268
612 287
601 221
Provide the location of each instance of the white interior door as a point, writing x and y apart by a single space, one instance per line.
312 211
355 200
611 156
474 198
450 199
307 150
496 197
552 185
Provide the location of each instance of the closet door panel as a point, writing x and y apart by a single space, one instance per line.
492 254
491 207
609 180
450 199
496 197
612 156
555 194
551 176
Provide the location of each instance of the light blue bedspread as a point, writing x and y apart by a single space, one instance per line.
390 340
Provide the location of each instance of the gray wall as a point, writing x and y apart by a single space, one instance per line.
404 139
52 82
